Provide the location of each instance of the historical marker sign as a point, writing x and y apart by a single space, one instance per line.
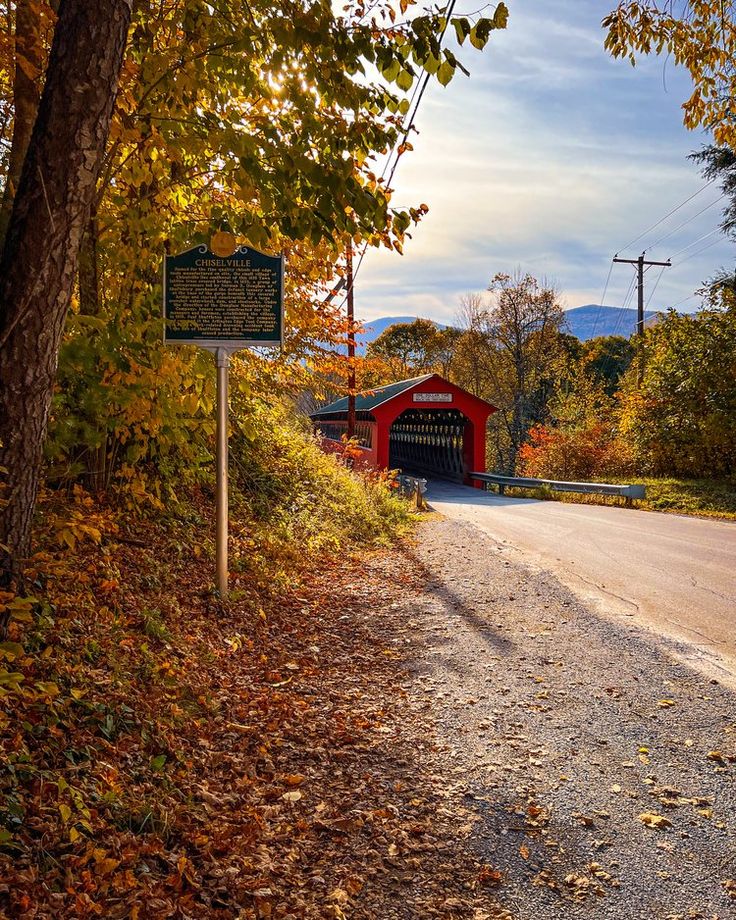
223 302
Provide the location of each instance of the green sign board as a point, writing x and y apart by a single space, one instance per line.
231 302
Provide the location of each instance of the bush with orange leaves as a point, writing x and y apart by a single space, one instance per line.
586 452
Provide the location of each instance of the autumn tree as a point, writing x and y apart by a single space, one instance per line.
700 36
409 348
606 359
26 59
681 419
511 349
259 119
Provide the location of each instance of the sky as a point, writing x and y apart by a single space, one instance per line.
550 158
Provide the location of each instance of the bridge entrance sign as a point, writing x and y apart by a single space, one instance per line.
223 298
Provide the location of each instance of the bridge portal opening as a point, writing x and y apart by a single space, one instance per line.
432 443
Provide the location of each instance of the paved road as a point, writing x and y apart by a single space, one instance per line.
673 574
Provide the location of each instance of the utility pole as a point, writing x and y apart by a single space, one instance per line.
351 343
640 263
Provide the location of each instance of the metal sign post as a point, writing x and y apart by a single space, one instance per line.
222 359
223 298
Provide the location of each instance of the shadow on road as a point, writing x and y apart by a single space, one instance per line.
456 606
456 494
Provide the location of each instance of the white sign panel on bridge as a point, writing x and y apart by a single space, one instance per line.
432 397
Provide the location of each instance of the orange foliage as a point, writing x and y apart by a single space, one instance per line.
588 452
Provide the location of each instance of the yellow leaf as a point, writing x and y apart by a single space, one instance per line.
106 866
656 821
339 896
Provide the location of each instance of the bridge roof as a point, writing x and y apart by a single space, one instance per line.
369 400
365 402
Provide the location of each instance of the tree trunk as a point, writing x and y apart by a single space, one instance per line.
26 94
41 251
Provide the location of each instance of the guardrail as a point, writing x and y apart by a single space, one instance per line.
414 488
629 492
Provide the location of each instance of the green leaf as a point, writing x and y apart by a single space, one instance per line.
462 29
404 80
157 763
481 32
11 650
391 72
10 678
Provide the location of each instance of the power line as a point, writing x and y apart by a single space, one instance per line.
602 301
640 271
412 113
684 223
656 283
684 300
695 242
608 360
668 214
419 89
697 253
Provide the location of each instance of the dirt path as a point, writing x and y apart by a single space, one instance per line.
570 735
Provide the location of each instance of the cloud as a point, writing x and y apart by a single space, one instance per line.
549 157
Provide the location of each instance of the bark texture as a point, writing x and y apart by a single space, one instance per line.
41 252
26 95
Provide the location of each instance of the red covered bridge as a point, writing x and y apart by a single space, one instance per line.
425 426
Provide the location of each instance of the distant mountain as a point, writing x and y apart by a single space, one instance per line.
374 327
585 322
592 320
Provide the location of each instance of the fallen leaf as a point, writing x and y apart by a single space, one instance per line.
294 779
658 822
